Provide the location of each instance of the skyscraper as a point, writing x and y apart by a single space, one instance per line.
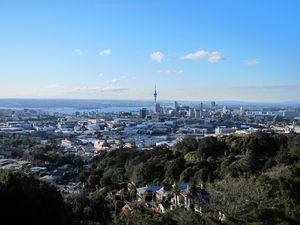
157 108
201 106
143 113
213 105
176 105
197 113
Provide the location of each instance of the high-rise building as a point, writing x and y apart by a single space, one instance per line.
213 105
224 110
191 113
197 113
143 113
201 106
176 105
242 111
157 108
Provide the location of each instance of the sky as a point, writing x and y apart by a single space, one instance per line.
244 50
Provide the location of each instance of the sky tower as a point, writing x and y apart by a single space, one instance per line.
155 95
157 108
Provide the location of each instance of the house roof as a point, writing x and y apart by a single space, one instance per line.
152 188
126 208
183 186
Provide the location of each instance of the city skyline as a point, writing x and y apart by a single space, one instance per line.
192 50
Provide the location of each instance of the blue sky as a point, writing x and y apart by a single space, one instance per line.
119 49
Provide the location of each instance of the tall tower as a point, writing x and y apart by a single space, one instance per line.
155 95
157 108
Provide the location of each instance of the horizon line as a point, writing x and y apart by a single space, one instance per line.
147 100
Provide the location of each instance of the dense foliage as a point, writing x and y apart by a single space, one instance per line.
246 176
25 199
251 179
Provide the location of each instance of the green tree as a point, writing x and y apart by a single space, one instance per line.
188 144
174 168
211 146
32 200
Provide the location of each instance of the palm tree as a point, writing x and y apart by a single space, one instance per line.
176 192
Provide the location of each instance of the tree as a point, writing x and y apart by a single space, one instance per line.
188 144
140 216
35 201
187 217
176 192
174 169
211 146
112 177
186 174
237 196
90 208
294 145
287 196
266 216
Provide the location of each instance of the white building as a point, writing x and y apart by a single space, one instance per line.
225 130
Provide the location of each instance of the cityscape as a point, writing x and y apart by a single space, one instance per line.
82 136
139 112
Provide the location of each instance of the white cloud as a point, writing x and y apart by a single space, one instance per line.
157 56
116 80
112 81
55 86
171 72
252 62
215 57
79 51
105 52
85 90
114 89
195 56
